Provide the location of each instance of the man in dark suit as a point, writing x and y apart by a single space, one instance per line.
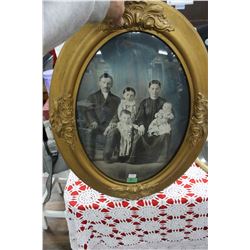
103 107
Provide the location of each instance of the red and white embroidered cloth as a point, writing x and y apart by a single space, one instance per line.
175 218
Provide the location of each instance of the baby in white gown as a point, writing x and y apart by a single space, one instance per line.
160 125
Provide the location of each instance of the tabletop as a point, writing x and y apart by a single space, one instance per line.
175 218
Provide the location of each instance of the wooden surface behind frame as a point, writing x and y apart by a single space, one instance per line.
173 29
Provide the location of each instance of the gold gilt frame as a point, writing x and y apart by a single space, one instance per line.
166 23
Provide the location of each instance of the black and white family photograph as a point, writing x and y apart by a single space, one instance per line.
133 107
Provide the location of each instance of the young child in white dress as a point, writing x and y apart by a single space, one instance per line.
126 113
160 125
128 102
126 129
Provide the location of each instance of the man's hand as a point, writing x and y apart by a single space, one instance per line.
94 125
115 12
141 130
106 131
112 125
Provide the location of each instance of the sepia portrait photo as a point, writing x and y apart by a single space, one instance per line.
133 107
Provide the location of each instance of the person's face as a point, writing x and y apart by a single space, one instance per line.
154 91
129 96
125 118
105 84
167 107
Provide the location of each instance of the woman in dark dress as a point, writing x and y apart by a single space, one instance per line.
147 149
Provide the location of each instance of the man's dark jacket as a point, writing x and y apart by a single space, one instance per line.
101 110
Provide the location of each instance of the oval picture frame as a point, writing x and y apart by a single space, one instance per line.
168 25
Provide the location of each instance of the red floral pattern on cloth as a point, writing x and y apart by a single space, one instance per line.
175 216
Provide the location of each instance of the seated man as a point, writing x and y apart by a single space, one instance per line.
103 108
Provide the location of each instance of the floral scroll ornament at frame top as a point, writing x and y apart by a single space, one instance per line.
142 15
199 120
62 119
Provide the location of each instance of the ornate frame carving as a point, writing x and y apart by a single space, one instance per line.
164 22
